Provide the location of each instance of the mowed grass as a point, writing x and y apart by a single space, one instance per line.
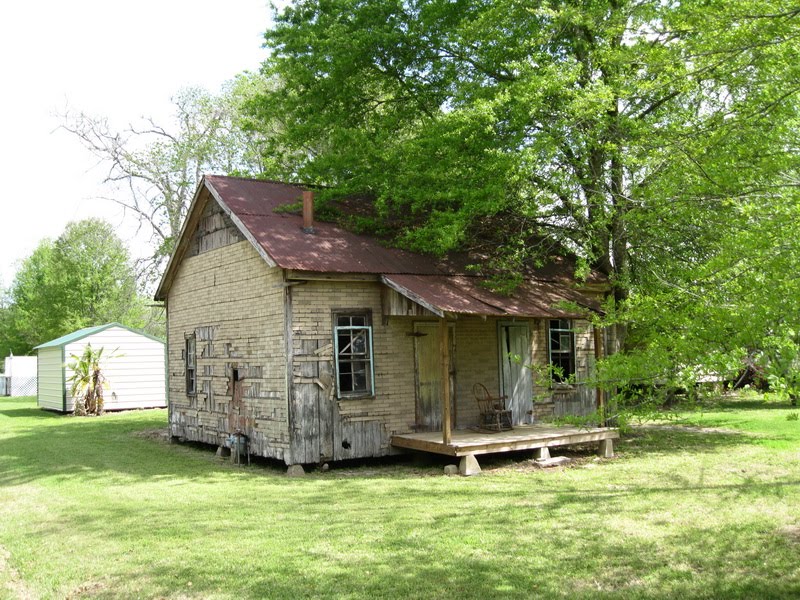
100 508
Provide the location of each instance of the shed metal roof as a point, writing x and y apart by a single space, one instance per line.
86 332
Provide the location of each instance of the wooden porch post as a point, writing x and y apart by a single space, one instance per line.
444 350
598 354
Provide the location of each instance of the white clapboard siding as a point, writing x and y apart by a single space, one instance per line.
133 365
50 379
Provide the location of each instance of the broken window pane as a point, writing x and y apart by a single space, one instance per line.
353 339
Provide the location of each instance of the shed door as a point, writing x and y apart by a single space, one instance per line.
516 382
428 366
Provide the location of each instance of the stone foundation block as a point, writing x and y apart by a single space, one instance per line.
469 465
295 471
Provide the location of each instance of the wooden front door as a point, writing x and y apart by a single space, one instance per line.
516 381
428 365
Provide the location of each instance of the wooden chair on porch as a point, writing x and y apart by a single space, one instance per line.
492 412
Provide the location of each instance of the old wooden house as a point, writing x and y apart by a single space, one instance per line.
319 344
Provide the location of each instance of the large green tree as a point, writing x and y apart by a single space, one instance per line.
657 139
83 278
620 127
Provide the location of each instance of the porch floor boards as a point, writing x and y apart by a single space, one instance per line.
523 437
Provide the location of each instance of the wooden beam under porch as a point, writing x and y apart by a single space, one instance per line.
522 437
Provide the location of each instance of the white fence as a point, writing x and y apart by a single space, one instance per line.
19 378
22 386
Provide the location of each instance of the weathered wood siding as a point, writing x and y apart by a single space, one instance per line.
133 366
233 303
325 427
50 379
214 230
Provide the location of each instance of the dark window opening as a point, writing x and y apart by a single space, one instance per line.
353 347
562 349
190 358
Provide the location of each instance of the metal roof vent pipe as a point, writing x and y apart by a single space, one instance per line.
308 212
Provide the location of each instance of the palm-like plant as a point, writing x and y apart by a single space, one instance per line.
88 381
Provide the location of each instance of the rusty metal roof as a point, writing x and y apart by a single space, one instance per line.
440 285
330 249
461 294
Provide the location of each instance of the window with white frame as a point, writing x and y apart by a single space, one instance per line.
562 348
190 360
352 337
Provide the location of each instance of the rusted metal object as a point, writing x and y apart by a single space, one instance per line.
308 212
459 294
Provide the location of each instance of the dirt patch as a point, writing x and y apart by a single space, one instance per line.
14 583
158 435
791 533
687 428
87 590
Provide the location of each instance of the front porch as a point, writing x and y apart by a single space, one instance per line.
522 437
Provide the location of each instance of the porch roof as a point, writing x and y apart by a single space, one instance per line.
460 294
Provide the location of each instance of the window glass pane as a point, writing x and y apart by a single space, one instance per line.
354 354
360 381
345 382
554 341
360 342
190 351
565 341
562 348
343 338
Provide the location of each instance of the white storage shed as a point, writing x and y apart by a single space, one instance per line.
136 373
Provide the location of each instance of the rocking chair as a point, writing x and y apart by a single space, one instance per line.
493 414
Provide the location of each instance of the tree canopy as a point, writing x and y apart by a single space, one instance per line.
595 121
655 139
83 278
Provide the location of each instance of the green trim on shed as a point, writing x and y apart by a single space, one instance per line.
87 331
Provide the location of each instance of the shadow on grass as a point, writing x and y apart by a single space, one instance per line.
49 445
727 404
94 448
657 439
485 555
21 408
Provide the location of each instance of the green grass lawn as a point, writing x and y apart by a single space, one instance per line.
100 508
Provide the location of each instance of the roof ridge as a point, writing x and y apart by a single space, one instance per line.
257 180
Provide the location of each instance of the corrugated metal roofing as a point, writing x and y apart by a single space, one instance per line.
330 249
279 236
86 332
465 295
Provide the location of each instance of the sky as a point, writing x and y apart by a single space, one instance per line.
121 60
